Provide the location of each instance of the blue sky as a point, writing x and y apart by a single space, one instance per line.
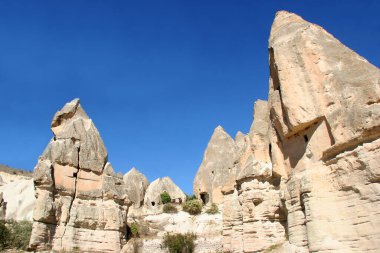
156 77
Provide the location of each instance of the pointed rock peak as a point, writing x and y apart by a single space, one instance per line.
134 172
220 132
286 17
67 112
239 137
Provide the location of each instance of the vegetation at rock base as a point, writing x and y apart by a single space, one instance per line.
15 234
134 229
213 209
179 243
193 207
165 197
190 197
170 208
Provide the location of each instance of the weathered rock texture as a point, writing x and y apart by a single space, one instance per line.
136 184
19 198
16 187
81 203
152 200
308 170
217 168
153 228
325 113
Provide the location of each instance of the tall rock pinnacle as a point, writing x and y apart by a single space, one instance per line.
80 200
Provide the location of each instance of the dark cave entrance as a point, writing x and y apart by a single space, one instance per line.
204 197
128 233
153 203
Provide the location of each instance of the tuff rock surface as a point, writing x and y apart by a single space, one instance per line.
306 176
152 199
80 201
217 168
16 187
136 184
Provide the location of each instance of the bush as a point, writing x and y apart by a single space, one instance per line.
190 197
213 209
179 243
170 208
5 236
134 229
193 207
15 235
165 197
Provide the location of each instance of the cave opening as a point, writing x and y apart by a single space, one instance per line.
204 198
153 203
128 233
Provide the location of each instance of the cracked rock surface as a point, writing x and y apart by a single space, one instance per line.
79 199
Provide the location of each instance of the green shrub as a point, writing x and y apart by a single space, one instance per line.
190 197
15 234
179 243
21 232
170 208
5 236
213 209
193 207
134 229
165 197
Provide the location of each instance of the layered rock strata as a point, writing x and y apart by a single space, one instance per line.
80 201
325 113
308 170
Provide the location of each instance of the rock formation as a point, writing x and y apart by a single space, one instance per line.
308 170
304 179
136 184
80 200
217 168
19 196
325 113
17 189
3 207
152 200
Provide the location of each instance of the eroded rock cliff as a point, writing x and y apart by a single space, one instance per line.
81 203
306 176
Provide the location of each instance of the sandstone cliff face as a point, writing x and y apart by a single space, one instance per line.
217 168
80 200
324 104
254 217
320 186
136 184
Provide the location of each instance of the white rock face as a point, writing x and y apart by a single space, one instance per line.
19 196
207 228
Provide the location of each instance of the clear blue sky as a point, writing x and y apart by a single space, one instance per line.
156 77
